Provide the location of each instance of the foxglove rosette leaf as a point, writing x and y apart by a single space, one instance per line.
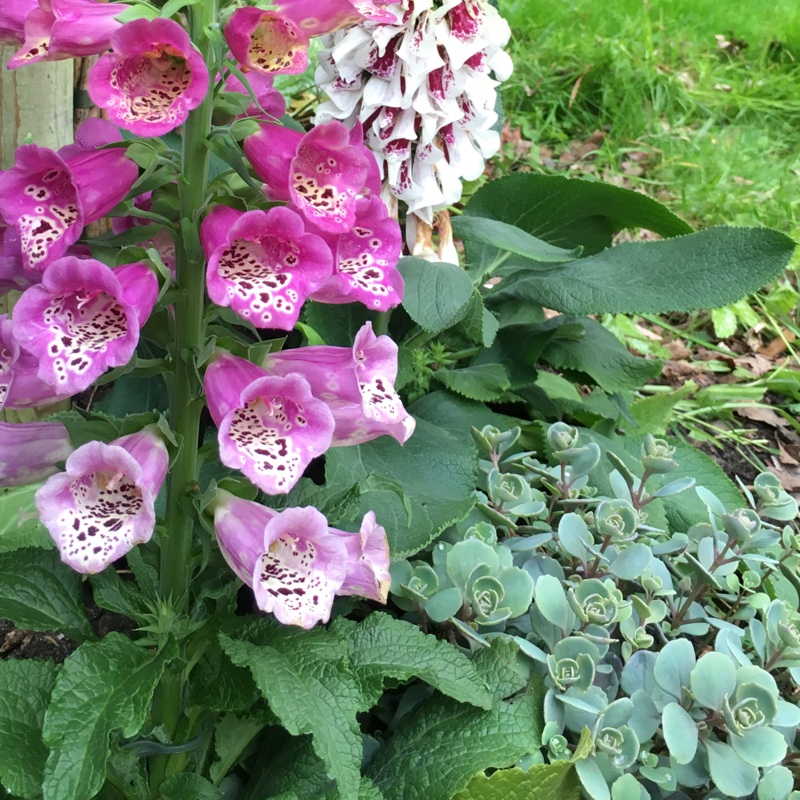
266 42
422 85
320 171
20 385
367 561
263 264
13 14
83 319
104 503
29 452
152 78
294 563
270 427
366 260
60 29
48 197
356 383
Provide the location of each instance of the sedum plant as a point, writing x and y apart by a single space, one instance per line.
667 654
230 413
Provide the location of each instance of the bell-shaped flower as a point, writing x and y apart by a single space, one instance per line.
321 171
104 503
365 260
293 562
13 14
48 197
367 561
271 103
13 276
152 78
30 451
357 384
20 385
60 29
326 16
425 86
270 427
266 42
263 264
83 319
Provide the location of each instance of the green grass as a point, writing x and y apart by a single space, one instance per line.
722 131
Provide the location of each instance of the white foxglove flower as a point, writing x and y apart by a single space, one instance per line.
425 90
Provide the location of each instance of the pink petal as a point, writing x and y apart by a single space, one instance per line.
12 19
226 378
30 451
152 78
20 386
98 509
270 151
367 561
265 42
326 16
148 448
267 267
269 98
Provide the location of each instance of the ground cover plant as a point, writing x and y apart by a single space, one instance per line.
324 491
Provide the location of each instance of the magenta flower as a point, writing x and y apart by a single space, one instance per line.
20 385
270 427
263 264
365 260
12 273
265 42
83 319
29 452
293 562
60 29
48 197
367 561
357 384
269 98
103 504
12 19
326 16
152 78
321 171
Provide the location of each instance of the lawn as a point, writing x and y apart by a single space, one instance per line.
715 127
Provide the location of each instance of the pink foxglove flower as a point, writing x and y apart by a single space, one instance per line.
48 197
83 319
320 171
12 19
367 561
60 29
294 563
266 42
270 427
357 384
365 260
29 452
103 504
20 385
152 79
263 264
423 87
326 16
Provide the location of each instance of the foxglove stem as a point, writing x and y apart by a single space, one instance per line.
185 403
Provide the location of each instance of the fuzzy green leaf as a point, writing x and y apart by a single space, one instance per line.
103 686
390 648
436 295
19 522
188 786
40 593
710 268
436 471
556 781
26 692
311 687
482 382
439 748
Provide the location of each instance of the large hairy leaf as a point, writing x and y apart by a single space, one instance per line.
19 523
436 294
103 686
556 781
703 270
